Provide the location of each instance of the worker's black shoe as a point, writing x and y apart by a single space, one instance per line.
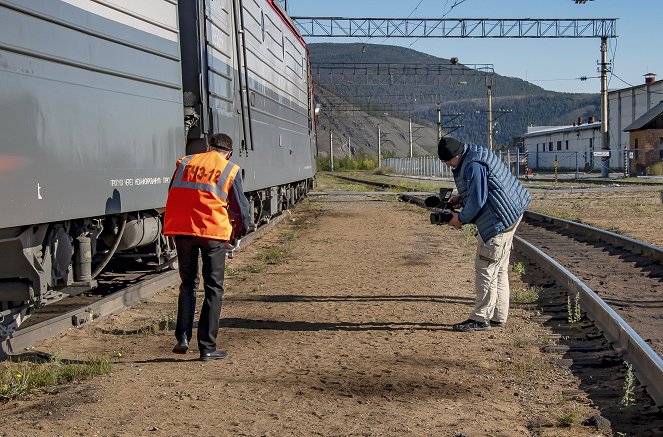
471 325
494 324
181 347
216 355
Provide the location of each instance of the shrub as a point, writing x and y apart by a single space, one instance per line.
655 169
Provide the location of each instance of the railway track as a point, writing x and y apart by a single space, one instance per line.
616 281
122 286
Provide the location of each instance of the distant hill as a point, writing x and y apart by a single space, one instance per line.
457 89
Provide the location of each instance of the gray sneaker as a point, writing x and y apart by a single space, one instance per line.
471 325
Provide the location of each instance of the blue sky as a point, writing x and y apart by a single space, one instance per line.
553 64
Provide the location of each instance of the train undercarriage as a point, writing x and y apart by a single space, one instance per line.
45 263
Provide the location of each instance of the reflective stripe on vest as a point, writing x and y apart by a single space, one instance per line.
218 189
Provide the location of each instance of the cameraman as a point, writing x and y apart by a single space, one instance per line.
494 201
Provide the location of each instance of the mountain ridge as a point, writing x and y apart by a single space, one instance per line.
455 89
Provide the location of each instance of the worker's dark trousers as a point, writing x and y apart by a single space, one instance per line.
213 254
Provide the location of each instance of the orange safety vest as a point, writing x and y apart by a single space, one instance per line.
198 198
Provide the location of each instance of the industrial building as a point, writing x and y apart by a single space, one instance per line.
635 135
572 147
635 124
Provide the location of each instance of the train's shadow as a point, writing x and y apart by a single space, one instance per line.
279 325
289 298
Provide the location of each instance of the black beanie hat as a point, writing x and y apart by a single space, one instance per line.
449 147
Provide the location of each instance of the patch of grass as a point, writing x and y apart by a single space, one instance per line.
521 342
329 182
274 254
528 294
383 171
568 416
17 379
518 268
289 236
167 322
566 215
470 233
229 272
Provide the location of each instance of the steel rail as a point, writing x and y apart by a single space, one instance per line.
647 365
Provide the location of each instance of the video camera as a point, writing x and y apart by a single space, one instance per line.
441 211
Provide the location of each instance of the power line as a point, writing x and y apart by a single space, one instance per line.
581 78
415 9
613 74
456 3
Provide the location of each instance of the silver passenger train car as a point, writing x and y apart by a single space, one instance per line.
98 100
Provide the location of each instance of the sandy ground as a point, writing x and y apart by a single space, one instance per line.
337 323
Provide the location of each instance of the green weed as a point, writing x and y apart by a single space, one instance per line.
274 254
529 294
629 387
17 379
519 269
573 309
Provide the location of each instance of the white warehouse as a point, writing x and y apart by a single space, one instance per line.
571 146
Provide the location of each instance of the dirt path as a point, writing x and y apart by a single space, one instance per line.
347 332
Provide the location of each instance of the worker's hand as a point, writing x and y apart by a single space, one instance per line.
455 221
455 201
232 246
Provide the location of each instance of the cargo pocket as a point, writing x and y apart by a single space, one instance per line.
491 251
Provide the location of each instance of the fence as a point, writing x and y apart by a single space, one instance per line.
432 166
419 166
629 162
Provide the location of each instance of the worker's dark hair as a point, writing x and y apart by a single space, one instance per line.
221 142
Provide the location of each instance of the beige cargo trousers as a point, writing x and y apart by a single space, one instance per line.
492 277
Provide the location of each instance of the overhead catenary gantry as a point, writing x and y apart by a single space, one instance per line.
456 27
411 74
603 28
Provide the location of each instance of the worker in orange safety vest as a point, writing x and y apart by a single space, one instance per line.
206 212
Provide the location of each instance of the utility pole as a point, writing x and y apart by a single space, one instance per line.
410 133
331 151
489 88
379 147
439 123
605 144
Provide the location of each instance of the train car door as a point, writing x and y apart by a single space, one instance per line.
210 70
